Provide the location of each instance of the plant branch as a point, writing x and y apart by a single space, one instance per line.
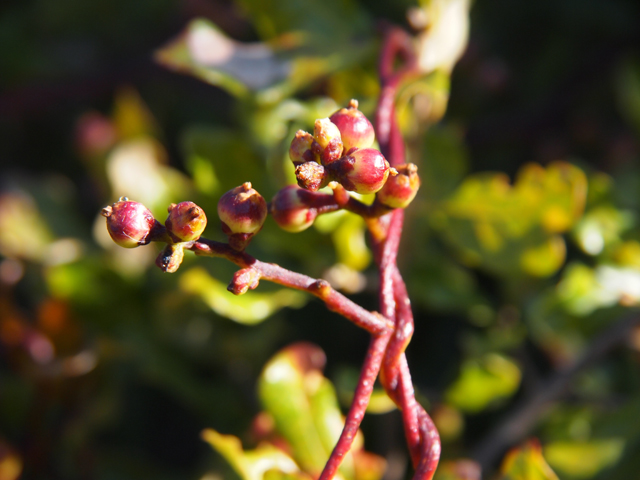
335 301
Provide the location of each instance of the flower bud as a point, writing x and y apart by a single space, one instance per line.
311 176
328 144
128 223
186 221
242 210
362 171
300 150
290 212
243 280
170 258
356 130
401 189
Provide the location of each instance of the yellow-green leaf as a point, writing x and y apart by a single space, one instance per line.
583 459
252 464
484 381
526 463
250 308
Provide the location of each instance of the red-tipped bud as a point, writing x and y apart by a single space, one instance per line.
311 176
170 258
401 189
128 223
328 143
300 150
186 221
362 171
290 212
355 129
242 210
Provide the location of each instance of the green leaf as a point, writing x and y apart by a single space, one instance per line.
602 227
250 308
305 409
252 464
23 231
512 229
287 382
267 72
484 381
349 241
583 459
206 52
526 463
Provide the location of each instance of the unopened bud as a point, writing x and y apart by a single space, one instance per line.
300 150
128 223
170 258
242 211
362 171
243 280
290 212
186 221
356 130
401 189
311 176
328 141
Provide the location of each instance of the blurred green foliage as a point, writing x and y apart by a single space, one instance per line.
521 251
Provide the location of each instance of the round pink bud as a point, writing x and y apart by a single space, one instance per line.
300 150
128 223
362 171
242 210
290 212
186 221
400 189
328 145
355 129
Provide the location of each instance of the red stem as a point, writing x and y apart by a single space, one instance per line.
367 379
420 432
335 301
375 354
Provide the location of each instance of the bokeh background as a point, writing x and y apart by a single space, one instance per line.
521 251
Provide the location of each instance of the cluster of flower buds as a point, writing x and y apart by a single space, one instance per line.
131 224
339 150
242 211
